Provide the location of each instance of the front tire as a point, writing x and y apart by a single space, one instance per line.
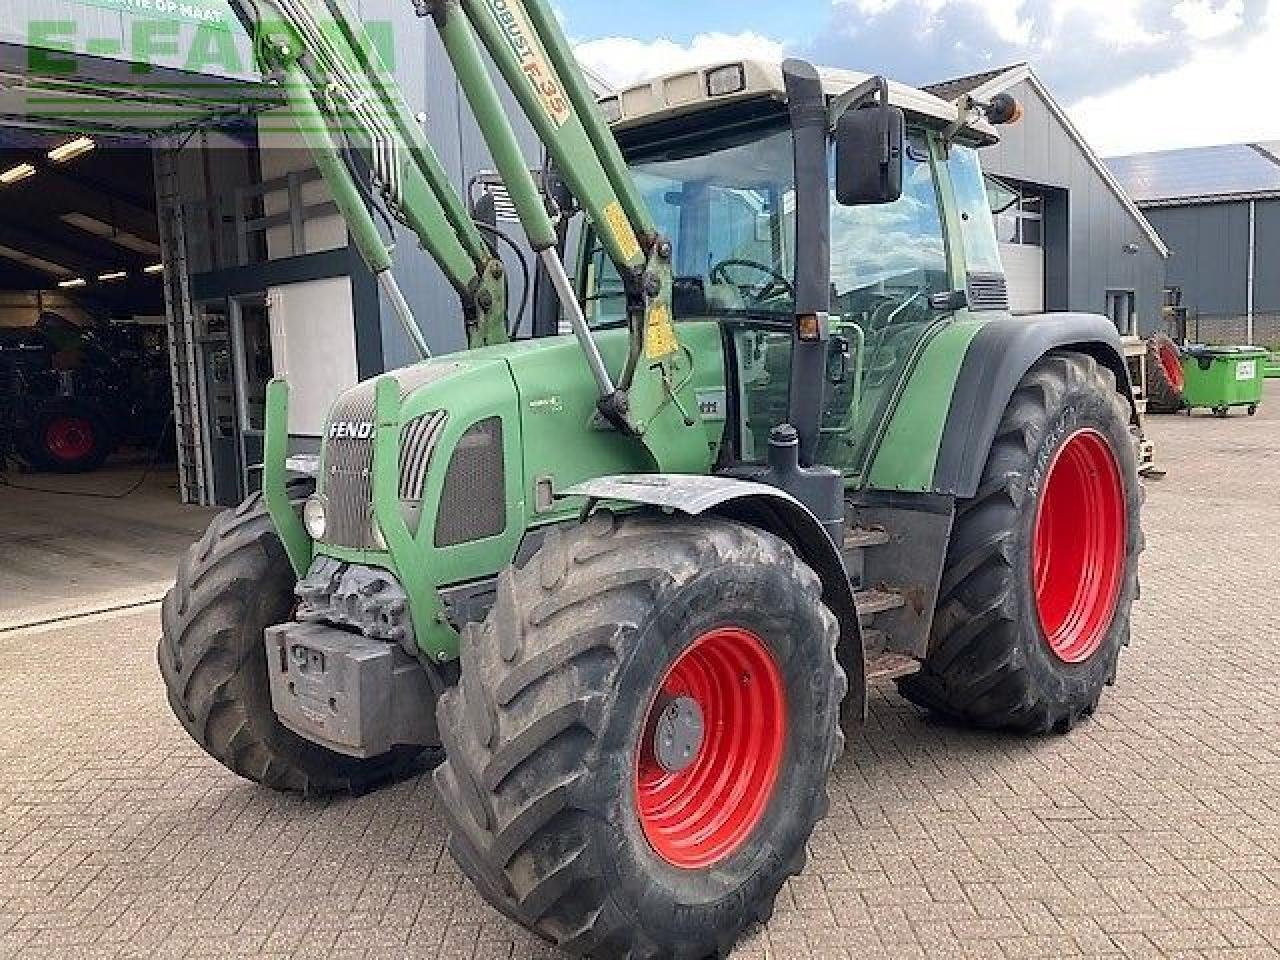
571 808
231 585
1042 568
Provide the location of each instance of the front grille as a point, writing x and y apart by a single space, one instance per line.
347 482
988 291
348 472
417 444
473 505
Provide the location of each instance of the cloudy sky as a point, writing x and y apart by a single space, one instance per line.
1135 75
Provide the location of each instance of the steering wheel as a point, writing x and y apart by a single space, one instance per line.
777 282
885 314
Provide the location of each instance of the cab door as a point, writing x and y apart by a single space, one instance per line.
887 261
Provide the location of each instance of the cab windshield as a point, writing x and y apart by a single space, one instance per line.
728 207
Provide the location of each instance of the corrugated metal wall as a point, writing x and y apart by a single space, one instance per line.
1209 261
1090 254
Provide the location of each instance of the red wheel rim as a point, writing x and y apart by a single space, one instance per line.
1078 556
1171 364
705 812
69 438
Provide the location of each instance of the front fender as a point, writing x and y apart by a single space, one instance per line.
766 508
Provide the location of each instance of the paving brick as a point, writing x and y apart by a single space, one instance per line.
1153 831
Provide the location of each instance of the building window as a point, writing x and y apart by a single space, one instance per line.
1018 210
1120 308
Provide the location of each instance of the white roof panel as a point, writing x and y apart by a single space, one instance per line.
685 91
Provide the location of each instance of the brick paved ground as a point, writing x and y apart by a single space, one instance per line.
1152 831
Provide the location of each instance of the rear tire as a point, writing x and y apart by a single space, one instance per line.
231 585
1165 382
1008 648
548 784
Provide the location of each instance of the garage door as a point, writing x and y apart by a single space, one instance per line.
1024 270
1019 225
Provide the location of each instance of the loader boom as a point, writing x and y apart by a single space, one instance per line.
343 97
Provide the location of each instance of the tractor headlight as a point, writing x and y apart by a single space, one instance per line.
315 516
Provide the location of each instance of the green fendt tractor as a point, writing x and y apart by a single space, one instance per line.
628 579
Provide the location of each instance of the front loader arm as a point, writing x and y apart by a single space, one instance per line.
651 399
341 96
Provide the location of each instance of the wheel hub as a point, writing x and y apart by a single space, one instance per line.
1078 553
69 438
677 737
710 748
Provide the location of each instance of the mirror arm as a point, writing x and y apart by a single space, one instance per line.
966 107
856 97
994 111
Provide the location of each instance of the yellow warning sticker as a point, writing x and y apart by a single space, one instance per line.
659 333
622 231
513 20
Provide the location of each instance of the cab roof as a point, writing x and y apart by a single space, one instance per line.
688 91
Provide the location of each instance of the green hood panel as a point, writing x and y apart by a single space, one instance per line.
542 393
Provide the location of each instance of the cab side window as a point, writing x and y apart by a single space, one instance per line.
981 253
889 257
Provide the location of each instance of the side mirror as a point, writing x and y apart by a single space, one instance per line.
869 155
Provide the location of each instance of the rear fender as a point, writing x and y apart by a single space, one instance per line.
998 357
766 508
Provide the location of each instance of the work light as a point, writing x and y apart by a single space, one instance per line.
723 81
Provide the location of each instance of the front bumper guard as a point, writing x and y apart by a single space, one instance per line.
435 635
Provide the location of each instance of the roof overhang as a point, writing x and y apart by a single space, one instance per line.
1254 196
1003 82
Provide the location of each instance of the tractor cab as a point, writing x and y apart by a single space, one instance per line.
713 153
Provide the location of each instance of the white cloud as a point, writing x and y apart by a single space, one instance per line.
1013 22
1219 95
625 60
1206 20
1118 20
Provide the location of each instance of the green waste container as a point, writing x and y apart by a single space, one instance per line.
1220 378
